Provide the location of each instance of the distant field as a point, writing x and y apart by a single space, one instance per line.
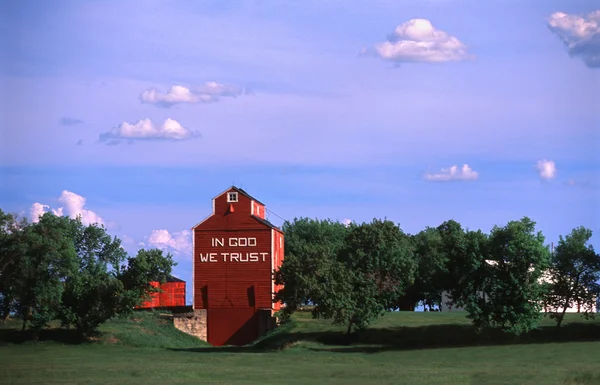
402 348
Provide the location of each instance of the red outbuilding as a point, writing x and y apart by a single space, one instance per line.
236 251
172 294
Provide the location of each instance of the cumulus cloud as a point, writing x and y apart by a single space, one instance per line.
580 34
210 92
465 173
66 121
347 222
37 209
73 205
418 40
546 168
145 129
177 242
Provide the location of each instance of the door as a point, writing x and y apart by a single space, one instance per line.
231 326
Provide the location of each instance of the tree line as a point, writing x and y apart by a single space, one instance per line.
507 278
59 269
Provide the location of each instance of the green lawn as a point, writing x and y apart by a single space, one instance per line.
402 348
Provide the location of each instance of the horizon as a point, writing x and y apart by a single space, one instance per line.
137 114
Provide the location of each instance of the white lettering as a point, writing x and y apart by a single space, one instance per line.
233 257
238 242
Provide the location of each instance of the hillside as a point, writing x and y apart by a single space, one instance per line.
419 348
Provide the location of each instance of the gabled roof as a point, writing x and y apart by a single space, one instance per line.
171 278
241 191
266 222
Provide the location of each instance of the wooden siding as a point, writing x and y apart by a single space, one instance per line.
227 282
278 255
232 326
224 219
154 300
258 210
172 295
235 251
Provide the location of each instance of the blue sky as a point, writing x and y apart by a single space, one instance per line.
329 109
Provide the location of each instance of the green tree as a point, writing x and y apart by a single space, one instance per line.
468 272
573 276
147 266
516 261
372 270
311 246
10 228
92 292
432 272
44 258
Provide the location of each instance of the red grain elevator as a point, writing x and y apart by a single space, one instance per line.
236 251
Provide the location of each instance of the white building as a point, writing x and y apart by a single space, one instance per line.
446 299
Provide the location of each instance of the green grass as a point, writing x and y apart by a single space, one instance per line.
401 348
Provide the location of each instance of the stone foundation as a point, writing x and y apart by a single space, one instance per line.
192 323
195 323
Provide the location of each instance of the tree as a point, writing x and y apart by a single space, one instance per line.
432 269
468 273
372 270
573 276
44 256
92 291
311 247
147 266
514 292
10 228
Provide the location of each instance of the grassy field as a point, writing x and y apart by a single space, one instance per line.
402 348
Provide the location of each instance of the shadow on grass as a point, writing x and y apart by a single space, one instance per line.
59 335
410 338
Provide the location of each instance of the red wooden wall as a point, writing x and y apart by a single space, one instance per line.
172 295
154 300
235 253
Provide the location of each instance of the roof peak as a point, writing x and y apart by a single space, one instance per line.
245 193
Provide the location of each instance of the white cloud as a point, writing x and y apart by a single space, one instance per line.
580 34
347 222
37 209
145 129
210 92
178 242
418 40
127 240
72 206
453 173
547 169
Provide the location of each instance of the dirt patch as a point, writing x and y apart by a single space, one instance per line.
136 320
147 331
112 340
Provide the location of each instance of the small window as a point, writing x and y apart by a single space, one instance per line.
232 197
